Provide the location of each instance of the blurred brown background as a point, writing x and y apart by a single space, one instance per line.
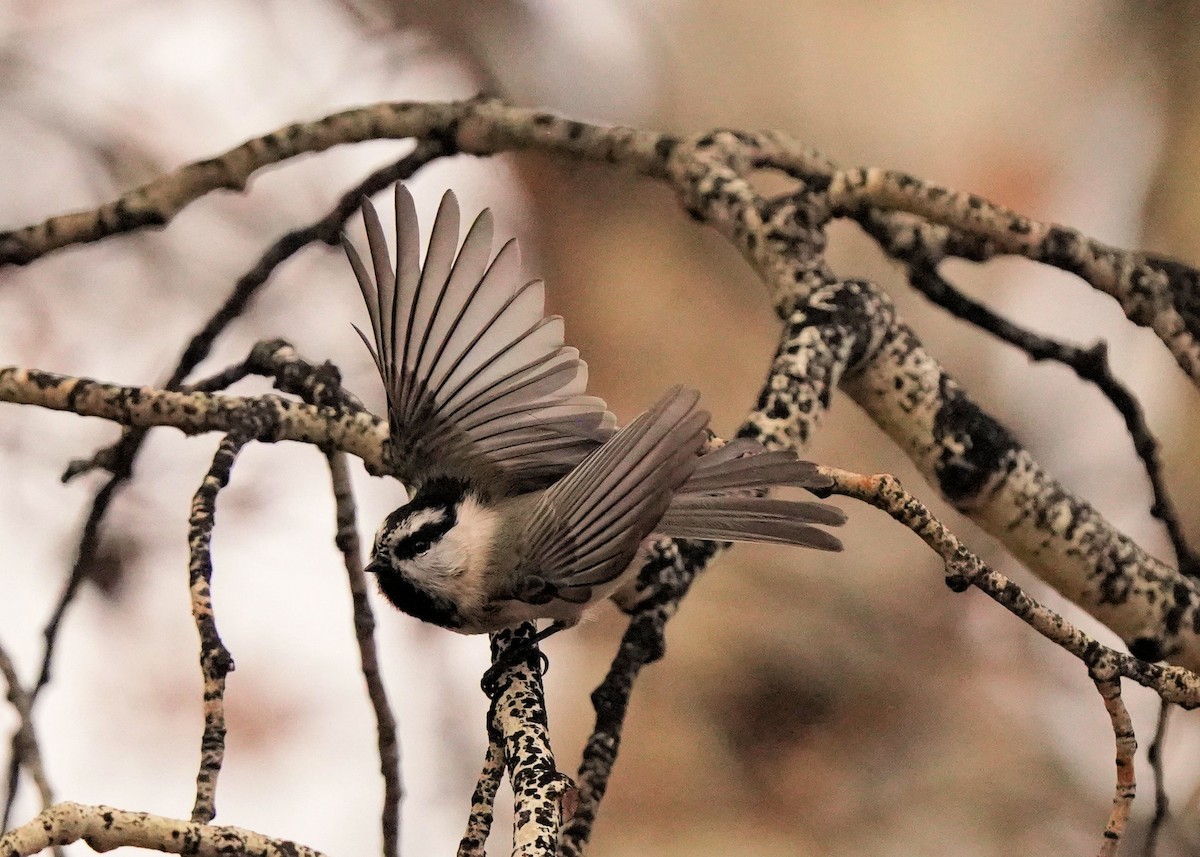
807 704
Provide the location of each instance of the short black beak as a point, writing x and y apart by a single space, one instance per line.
374 567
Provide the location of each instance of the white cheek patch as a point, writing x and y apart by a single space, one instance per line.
475 534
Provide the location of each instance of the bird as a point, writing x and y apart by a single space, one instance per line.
527 502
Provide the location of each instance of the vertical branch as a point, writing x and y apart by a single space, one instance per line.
517 722
215 660
28 753
364 632
1155 754
483 802
1110 691
666 577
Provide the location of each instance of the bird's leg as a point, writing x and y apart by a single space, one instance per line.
523 651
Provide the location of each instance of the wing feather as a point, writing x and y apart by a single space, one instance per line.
587 527
479 382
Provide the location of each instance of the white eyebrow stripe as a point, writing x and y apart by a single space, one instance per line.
420 519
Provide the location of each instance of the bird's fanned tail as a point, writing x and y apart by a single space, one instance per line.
722 500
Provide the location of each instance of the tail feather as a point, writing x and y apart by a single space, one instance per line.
722 501
743 465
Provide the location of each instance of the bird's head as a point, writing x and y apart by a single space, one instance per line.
423 554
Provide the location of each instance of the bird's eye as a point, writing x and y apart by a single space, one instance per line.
409 548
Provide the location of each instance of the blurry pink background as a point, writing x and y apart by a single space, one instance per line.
807 704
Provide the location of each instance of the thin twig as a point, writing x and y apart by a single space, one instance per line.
483 802
364 632
88 546
1161 804
1126 788
215 661
965 569
28 753
664 580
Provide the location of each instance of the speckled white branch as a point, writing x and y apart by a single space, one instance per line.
517 723
104 828
268 419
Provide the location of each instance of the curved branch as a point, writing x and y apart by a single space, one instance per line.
964 569
480 126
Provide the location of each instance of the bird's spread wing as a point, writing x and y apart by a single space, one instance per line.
479 383
587 527
649 479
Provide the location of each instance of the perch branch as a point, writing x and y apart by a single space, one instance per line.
215 660
104 828
364 632
518 725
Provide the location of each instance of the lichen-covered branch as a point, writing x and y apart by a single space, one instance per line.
483 802
364 633
517 723
215 660
268 419
477 126
1154 292
104 828
922 246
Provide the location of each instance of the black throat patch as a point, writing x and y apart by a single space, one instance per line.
417 602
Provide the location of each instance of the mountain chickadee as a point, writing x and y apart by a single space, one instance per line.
526 501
